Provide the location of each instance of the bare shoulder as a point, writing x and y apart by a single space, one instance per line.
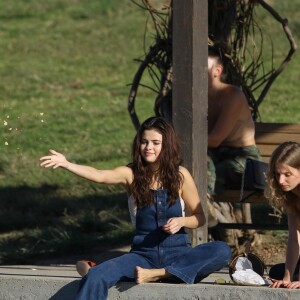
235 102
183 170
188 191
185 173
235 94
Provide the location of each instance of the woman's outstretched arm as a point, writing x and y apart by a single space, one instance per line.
120 175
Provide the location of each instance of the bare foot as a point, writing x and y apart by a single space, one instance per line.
150 275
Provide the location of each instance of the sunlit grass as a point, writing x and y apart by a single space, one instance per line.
282 101
65 70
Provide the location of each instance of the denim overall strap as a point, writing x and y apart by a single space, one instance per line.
151 241
160 198
153 217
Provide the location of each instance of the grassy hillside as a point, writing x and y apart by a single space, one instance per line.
282 101
65 68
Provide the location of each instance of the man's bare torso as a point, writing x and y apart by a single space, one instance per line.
242 132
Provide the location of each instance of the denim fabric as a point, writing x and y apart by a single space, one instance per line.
154 248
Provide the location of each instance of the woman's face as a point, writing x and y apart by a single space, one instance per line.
151 145
287 177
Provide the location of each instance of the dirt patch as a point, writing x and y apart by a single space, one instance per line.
270 246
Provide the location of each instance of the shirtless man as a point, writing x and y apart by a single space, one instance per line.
230 140
230 129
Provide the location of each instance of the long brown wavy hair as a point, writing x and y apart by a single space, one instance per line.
168 160
287 153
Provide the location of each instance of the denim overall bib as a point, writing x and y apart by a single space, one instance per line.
154 248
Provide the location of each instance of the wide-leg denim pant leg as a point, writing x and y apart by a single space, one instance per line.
95 285
200 261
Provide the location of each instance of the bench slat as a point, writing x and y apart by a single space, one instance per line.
269 135
261 127
275 138
266 150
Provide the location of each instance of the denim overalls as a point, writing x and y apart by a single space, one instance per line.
154 248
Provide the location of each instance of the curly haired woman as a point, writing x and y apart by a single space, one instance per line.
283 191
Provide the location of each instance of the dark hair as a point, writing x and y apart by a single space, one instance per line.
169 161
287 153
218 55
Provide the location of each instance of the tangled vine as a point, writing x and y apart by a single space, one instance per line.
233 28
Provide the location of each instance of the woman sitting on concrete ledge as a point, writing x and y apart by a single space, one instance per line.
159 189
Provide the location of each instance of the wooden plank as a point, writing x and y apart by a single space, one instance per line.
265 159
270 135
266 150
189 98
277 127
276 138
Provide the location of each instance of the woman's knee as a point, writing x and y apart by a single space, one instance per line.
222 249
95 275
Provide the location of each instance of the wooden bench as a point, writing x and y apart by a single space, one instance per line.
268 136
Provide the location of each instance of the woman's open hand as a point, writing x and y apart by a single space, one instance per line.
285 284
279 283
54 160
293 285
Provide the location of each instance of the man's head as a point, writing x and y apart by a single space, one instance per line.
216 67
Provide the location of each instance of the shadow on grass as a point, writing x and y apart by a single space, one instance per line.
39 223
45 225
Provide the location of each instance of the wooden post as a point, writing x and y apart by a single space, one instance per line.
190 34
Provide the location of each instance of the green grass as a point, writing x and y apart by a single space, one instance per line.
65 71
281 103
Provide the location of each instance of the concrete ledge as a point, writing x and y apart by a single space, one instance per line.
62 282
201 291
38 282
37 288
